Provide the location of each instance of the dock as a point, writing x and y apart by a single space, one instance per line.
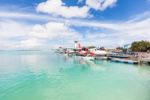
144 58
124 60
101 58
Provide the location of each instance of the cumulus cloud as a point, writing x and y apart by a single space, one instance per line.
18 35
52 30
124 32
100 4
13 29
60 32
12 32
58 8
51 34
55 32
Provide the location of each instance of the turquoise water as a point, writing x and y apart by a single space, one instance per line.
36 75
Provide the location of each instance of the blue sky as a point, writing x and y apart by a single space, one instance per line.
36 24
123 9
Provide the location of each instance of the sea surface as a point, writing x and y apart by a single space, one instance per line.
44 75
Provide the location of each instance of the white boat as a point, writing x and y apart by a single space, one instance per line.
97 52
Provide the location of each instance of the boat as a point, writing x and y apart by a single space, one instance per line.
98 52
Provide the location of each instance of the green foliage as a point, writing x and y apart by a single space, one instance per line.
120 48
140 46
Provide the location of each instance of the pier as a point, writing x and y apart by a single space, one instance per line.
144 57
124 60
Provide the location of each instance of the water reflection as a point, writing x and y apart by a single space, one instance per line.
43 76
77 60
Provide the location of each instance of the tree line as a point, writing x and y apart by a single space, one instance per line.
140 46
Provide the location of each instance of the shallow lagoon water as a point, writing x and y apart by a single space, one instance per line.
38 75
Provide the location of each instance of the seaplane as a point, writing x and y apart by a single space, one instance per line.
98 52
89 53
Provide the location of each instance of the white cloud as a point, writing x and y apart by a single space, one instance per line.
80 1
13 29
29 43
53 30
96 4
58 8
58 31
117 33
12 32
40 36
100 4
17 35
22 15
